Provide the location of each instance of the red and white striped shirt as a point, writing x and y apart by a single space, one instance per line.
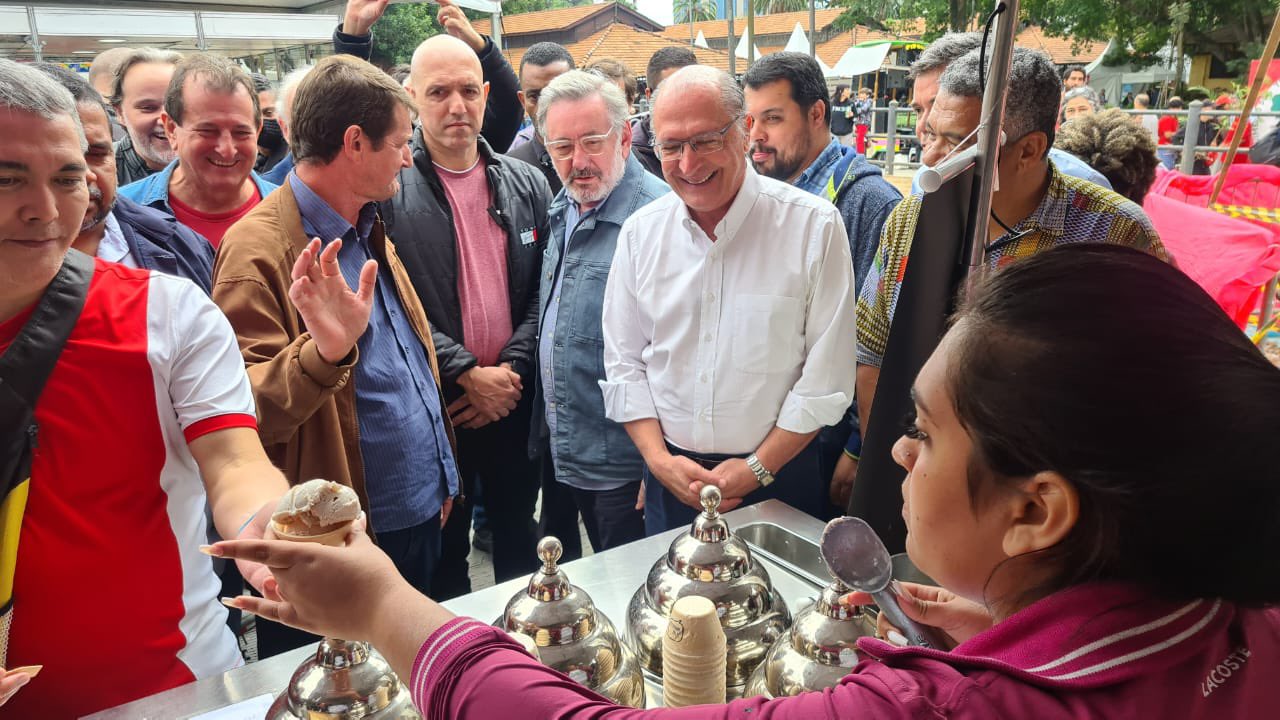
111 594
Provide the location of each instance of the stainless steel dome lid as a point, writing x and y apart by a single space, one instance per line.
551 610
344 680
818 650
571 634
710 561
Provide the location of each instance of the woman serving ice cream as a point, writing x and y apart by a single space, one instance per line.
1084 479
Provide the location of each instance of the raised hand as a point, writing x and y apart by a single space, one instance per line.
334 315
361 15
456 24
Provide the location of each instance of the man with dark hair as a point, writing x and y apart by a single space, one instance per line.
471 226
924 74
503 112
340 353
272 147
212 118
137 94
146 418
789 120
541 63
1074 77
662 63
1036 207
117 229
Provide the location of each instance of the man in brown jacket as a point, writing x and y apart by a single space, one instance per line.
336 341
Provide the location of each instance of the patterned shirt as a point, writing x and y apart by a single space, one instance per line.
1072 211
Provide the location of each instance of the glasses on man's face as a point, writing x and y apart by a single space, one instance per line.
591 145
702 145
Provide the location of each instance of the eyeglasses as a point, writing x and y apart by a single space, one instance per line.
591 145
702 145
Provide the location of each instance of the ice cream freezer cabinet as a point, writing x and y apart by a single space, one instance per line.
782 538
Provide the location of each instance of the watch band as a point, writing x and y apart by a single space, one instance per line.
763 476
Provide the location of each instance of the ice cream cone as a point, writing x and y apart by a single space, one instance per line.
333 538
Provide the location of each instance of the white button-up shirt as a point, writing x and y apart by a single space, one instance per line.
721 341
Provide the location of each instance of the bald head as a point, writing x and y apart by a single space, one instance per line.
440 51
102 71
703 82
448 88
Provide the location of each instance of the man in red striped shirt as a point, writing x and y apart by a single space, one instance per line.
146 419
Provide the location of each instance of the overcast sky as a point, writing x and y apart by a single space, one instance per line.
657 10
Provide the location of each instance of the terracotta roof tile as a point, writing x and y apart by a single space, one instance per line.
775 24
629 46
1059 48
542 21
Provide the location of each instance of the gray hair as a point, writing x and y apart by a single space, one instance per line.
732 100
1085 92
579 85
139 57
288 87
944 51
29 90
1034 90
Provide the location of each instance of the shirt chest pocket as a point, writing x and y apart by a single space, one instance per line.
767 333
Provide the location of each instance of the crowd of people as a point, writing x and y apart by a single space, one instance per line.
380 279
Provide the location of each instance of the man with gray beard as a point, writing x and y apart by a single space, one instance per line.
582 119
117 229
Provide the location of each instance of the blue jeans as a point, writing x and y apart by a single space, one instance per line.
799 484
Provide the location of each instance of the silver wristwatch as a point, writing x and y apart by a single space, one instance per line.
764 477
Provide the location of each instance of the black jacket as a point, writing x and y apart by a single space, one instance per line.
420 222
159 242
130 167
502 113
535 153
641 137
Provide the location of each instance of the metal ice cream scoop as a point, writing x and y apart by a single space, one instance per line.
855 555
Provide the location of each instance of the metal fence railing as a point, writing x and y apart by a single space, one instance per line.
900 121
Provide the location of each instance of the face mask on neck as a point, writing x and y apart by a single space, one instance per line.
271 138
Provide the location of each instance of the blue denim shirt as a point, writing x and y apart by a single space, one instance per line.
153 190
814 179
590 451
408 464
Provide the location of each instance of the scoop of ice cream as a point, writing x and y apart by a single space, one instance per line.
315 507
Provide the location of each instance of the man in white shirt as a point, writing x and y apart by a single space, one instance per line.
728 317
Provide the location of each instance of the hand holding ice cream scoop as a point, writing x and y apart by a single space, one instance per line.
317 511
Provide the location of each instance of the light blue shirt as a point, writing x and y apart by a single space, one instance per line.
408 463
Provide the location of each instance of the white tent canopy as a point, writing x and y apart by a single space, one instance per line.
860 60
798 42
701 41
741 50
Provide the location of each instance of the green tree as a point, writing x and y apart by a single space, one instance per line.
693 10
781 6
400 31
1233 31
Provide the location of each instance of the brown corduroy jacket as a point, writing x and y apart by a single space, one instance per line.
306 407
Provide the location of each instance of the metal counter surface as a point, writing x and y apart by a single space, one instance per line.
610 578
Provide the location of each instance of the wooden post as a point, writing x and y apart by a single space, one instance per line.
1254 90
